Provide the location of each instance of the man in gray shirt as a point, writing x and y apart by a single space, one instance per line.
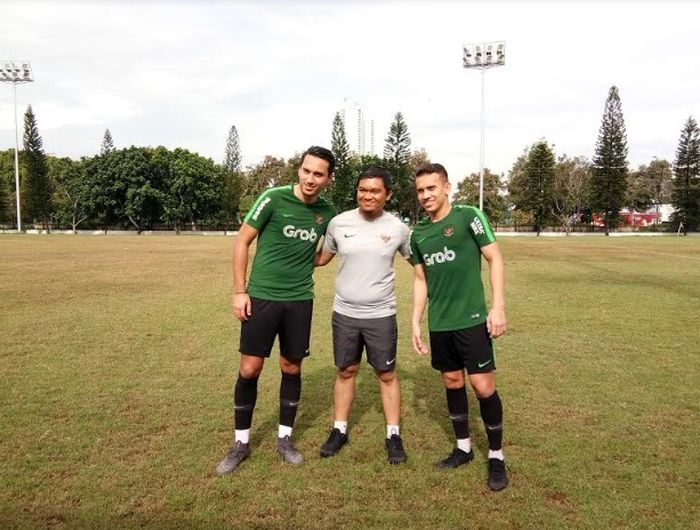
366 240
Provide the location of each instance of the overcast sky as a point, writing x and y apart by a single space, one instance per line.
180 74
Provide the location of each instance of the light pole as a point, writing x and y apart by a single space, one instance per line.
16 72
482 56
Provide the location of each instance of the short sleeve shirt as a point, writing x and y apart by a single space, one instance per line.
364 286
450 252
288 234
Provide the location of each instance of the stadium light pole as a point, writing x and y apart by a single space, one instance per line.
16 72
482 56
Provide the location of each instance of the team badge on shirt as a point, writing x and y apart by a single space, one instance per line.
319 218
385 238
448 230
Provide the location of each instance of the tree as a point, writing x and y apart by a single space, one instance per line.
191 189
539 182
107 143
268 173
516 190
125 187
7 171
71 193
397 154
686 185
570 189
494 202
36 192
609 176
232 181
343 188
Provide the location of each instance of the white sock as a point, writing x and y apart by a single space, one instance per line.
342 426
283 431
242 435
496 454
465 444
392 429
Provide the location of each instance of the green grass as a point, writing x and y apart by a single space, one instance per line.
118 357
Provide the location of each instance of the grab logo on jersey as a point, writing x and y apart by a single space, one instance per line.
439 257
293 232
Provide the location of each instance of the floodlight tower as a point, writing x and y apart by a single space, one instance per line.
16 72
482 56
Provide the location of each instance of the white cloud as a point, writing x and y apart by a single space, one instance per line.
180 74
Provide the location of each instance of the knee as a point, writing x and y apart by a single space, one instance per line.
387 377
348 372
250 371
453 380
484 389
290 367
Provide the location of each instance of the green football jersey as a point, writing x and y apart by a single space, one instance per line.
288 234
450 251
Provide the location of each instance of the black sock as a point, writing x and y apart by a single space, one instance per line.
290 390
492 414
458 407
244 396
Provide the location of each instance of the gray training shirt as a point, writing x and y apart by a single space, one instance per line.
364 287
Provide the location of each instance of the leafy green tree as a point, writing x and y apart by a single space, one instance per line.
609 177
495 206
515 186
539 181
191 189
107 143
71 193
342 190
36 188
570 189
686 185
397 153
266 174
232 182
124 188
418 158
7 171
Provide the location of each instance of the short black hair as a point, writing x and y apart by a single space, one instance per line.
322 153
376 172
427 169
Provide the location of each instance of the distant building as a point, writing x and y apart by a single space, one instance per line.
653 216
359 129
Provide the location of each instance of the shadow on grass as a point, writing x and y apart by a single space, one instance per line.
429 400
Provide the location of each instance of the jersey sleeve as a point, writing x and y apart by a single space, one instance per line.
405 247
479 226
414 254
260 213
330 244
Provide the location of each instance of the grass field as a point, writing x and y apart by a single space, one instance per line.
118 356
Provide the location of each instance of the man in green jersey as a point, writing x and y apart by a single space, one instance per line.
288 222
446 249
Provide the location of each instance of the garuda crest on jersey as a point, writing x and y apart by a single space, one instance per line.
448 230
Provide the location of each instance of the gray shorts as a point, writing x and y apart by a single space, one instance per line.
377 335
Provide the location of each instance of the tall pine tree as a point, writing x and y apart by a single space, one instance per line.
686 185
397 154
36 192
609 177
232 185
107 143
343 189
539 182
